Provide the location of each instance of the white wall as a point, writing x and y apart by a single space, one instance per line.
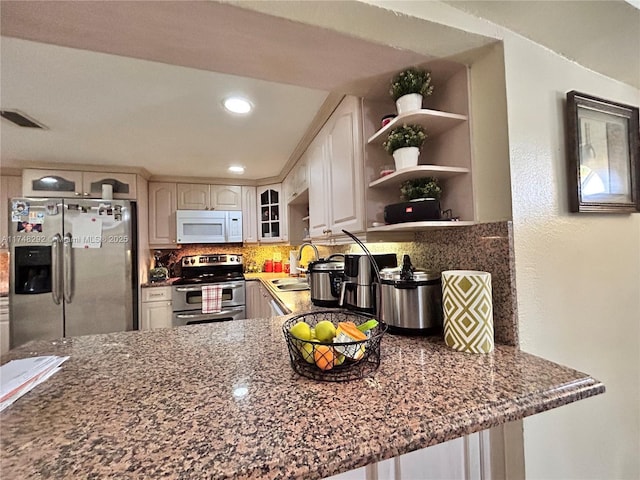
578 276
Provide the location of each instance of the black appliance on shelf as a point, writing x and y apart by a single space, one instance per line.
419 210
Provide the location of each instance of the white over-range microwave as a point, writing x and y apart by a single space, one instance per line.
209 226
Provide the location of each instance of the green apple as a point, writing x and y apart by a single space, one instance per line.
301 330
306 350
325 331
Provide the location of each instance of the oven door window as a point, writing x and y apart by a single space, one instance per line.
195 297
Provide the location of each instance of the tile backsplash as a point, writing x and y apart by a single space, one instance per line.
487 247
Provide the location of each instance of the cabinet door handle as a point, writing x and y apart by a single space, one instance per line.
77 194
87 194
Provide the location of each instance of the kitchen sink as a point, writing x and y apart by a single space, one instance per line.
288 284
287 281
292 287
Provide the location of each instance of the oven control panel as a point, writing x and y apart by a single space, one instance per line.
212 260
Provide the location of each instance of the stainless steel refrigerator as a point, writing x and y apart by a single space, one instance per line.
73 268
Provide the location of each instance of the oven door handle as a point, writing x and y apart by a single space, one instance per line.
225 286
196 316
188 289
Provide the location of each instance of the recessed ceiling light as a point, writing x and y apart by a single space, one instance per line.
237 105
236 169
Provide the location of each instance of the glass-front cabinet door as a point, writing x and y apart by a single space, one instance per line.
71 183
51 183
270 214
123 184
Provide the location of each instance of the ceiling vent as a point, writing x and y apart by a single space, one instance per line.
20 119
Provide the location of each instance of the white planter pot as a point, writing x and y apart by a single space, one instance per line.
409 103
406 157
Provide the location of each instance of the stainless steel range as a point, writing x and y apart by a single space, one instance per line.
224 270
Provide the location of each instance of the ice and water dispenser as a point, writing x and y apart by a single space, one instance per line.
32 270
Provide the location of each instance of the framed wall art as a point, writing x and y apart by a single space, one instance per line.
603 157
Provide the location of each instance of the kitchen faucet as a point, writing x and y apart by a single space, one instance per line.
308 244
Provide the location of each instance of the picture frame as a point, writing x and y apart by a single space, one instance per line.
603 155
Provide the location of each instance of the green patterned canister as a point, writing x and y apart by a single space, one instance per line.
468 310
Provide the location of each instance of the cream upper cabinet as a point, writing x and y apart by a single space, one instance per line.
249 216
336 185
10 186
162 214
69 183
226 197
194 196
318 202
297 181
345 164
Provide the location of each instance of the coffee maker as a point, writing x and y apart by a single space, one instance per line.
359 290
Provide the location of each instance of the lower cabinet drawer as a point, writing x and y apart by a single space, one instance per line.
156 294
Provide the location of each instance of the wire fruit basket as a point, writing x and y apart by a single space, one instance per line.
331 361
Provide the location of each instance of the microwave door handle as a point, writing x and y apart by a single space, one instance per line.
67 265
55 268
196 316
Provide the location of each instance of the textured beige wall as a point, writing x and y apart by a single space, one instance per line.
578 277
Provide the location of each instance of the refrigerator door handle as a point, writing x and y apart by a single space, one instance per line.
55 268
68 287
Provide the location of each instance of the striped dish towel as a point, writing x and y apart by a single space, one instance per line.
211 298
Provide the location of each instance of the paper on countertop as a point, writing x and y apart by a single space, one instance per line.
18 377
86 231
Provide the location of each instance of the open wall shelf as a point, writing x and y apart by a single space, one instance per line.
434 123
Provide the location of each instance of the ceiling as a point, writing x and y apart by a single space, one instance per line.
104 109
140 84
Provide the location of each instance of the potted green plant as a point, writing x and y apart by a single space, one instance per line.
409 87
421 202
404 143
418 188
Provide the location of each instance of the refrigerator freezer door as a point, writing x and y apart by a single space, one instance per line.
35 227
100 290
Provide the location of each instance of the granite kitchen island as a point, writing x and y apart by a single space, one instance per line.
221 401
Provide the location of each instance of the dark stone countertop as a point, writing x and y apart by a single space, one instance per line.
222 401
